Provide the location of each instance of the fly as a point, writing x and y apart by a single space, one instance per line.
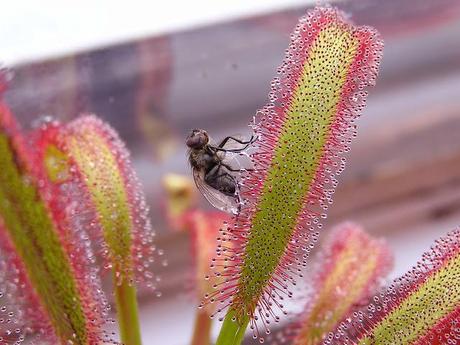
214 176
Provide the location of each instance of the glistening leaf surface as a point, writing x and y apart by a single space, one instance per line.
99 168
34 235
301 134
98 161
416 307
297 156
349 270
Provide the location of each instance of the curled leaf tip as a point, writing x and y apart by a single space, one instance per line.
421 307
349 270
302 133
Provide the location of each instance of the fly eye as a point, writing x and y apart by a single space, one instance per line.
197 139
193 141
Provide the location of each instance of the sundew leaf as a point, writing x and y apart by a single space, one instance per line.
302 133
90 153
349 269
56 290
446 331
421 307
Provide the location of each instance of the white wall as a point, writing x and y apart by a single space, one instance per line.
32 30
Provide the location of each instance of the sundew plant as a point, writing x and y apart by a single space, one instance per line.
73 214
72 208
302 133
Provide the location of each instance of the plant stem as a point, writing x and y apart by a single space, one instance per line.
127 313
202 328
232 332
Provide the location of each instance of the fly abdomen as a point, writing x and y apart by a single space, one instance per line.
225 183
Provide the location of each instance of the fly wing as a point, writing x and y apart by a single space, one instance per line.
215 198
238 160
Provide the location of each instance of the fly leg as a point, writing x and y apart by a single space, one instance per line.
223 142
220 147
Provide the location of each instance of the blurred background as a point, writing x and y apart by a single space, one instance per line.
154 71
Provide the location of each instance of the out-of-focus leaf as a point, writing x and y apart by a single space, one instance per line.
57 291
421 307
349 269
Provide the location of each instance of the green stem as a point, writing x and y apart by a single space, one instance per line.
127 313
202 328
232 332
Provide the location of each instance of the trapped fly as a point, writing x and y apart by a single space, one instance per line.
215 175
